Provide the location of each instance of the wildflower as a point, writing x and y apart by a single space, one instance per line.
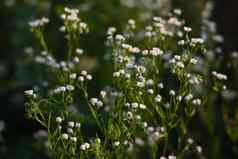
73 76
142 106
187 29
99 103
111 30
181 42
134 50
77 125
89 77
81 78
177 11
219 76
193 61
197 102
74 139
59 120
93 101
156 51
84 146
158 98
145 124
65 136
83 27
172 92
150 91
149 82
190 141
29 92
70 87
84 73
132 23
171 157
70 131
79 51
116 74
197 40
39 22
103 94
71 124
180 64
199 149
116 143
134 105
188 97
120 37
161 85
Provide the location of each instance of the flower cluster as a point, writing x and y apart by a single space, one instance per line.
154 91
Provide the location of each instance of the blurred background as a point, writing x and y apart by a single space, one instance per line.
217 132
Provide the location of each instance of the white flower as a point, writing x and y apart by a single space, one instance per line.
180 64
177 11
84 146
77 125
188 97
99 104
84 73
58 119
193 61
197 101
149 82
197 41
103 94
93 101
116 143
116 74
160 85
81 78
120 37
70 87
142 106
74 139
71 124
187 29
140 84
70 131
131 22
150 91
39 22
89 77
79 51
190 141
65 136
179 98
172 92
111 30
181 42
134 105
171 157
73 76
29 92
158 98
199 149
219 76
